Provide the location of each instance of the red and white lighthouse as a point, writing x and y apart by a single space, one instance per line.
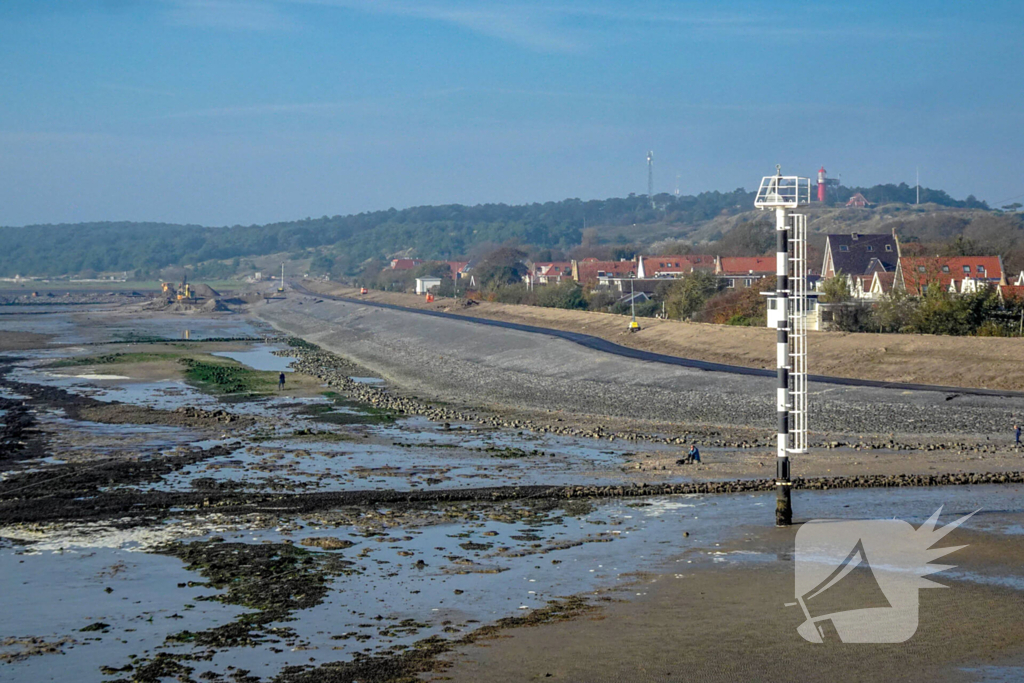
821 184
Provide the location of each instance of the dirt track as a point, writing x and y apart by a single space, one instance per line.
983 362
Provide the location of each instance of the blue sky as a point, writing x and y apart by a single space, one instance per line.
223 111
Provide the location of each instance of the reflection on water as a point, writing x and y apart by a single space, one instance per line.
259 358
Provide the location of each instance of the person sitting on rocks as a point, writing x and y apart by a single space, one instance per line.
691 457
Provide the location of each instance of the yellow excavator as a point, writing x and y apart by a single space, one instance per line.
185 292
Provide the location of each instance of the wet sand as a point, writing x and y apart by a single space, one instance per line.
15 340
726 622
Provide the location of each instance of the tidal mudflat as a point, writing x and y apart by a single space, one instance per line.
167 512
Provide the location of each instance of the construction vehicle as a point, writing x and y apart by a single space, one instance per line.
185 292
167 289
362 290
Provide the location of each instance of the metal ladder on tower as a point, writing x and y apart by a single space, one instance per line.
798 333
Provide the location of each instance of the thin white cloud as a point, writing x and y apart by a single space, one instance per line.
574 28
553 28
235 15
525 25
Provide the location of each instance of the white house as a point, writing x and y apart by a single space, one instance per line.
813 316
425 284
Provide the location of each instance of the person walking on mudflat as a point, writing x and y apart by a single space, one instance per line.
1016 434
280 382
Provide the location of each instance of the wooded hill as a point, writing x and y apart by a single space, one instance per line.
341 244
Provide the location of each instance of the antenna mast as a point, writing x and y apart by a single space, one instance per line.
650 177
919 185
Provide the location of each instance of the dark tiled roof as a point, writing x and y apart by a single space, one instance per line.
864 254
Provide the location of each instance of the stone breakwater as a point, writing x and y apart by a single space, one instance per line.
312 502
133 508
811 484
336 373
328 500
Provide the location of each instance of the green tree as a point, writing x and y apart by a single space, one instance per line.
689 294
432 269
503 266
835 290
563 295
894 312
740 306
516 293
453 288
942 312
600 299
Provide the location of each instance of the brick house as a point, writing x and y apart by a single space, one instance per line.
958 274
744 271
673 266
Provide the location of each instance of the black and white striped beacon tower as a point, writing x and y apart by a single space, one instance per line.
782 194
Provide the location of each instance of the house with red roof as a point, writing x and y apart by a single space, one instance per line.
858 201
457 268
958 274
602 272
550 272
1011 294
673 266
744 271
405 263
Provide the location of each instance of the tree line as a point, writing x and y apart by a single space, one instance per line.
342 245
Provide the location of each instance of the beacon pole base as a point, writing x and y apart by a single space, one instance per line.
783 503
